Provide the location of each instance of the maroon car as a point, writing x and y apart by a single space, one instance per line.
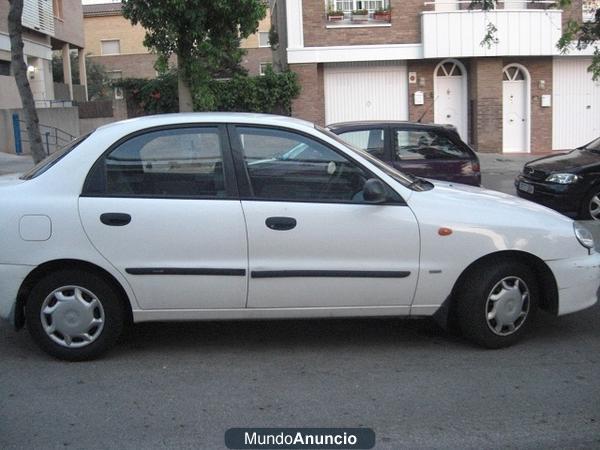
424 150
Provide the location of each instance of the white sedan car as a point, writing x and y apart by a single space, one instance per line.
217 216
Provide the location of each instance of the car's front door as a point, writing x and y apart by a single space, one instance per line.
162 207
313 240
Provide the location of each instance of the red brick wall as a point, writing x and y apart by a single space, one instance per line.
254 56
541 118
573 12
405 26
310 104
485 86
424 70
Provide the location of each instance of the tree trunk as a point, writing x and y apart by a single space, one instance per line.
19 69
186 103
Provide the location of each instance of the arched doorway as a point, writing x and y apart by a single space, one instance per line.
515 109
450 95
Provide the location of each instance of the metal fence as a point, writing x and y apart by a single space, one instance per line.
52 138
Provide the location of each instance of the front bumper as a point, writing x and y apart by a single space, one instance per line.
11 278
564 198
578 281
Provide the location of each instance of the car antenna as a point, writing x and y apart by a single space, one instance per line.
427 110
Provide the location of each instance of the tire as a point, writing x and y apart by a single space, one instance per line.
497 302
74 315
586 205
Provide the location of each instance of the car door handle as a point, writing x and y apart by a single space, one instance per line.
115 219
280 223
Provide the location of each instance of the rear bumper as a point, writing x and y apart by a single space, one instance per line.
578 281
11 278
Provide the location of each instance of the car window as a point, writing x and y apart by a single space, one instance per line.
425 144
370 140
283 165
182 162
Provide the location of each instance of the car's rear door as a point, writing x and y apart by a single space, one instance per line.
313 240
162 207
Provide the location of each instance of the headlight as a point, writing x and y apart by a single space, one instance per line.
563 178
583 235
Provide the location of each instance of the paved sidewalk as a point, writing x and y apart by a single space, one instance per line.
499 170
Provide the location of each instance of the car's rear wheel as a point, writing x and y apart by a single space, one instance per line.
497 302
590 208
74 315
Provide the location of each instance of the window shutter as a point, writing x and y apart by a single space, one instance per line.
38 15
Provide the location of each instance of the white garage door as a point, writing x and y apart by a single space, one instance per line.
576 108
366 91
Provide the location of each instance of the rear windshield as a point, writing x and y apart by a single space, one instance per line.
48 162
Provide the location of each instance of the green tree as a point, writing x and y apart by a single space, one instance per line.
205 36
576 34
19 70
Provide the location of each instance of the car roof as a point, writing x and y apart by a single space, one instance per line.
207 117
370 123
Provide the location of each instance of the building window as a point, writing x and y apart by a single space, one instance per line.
111 47
355 5
358 12
116 75
263 67
5 68
263 39
38 15
57 8
589 8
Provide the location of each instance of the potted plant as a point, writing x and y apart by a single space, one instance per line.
384 14
335 14
360 15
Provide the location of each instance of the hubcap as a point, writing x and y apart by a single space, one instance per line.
72 316
507 306
594 207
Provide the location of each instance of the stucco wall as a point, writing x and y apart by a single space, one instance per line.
69 28
9 95
66 119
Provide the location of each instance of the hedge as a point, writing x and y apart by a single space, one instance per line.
268 93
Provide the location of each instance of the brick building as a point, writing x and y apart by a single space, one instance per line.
119 46
425 60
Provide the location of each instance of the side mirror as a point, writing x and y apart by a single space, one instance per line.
374 191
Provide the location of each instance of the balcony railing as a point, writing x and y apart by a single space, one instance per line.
516 30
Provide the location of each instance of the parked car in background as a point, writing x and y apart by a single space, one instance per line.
568 182
423 150
247 216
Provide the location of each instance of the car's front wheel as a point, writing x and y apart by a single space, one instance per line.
497 302
74 315
590 208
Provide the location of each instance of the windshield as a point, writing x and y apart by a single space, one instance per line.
49 161
594 146
405 179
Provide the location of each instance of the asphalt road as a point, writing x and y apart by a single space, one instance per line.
183 385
